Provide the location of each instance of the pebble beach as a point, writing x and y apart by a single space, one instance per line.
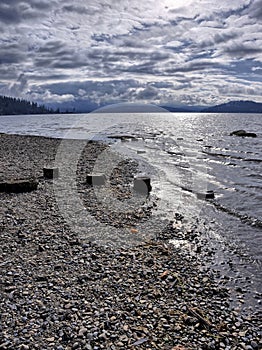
61 292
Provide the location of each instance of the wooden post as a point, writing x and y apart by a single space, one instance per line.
142 184
50 173
208 195
96 179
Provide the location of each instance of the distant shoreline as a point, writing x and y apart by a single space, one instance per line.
14 106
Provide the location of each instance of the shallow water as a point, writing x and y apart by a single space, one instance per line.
182 153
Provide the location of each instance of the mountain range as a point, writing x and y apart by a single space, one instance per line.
10 105
235 107
229 107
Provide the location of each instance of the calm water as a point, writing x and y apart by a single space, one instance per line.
184 151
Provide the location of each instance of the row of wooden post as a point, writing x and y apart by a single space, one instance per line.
142 184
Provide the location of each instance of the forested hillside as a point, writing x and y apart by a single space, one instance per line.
11 105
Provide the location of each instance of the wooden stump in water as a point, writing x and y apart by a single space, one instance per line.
142 184
207 195
96 179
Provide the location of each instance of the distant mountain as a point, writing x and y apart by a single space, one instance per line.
10 105
14 106
131 108
235 107
177 109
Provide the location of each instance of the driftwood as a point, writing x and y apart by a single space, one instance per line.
197 313
17 186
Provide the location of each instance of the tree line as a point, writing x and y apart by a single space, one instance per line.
13 106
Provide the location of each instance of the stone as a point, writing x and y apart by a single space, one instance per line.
254 345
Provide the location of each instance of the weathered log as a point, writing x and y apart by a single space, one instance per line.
18 186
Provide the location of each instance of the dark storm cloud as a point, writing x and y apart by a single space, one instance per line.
15 11
19 86
134 60
148 93
195 65
229 90
101 37
56 54
161 84
41 5
81 10
221 14
9 14
51 47
103 49
8 74
113 90
255 9
49 77
143 68
91 85
243 50
11 54
218 38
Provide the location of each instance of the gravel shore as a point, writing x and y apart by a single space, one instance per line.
61 292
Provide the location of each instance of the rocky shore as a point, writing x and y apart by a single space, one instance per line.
61 292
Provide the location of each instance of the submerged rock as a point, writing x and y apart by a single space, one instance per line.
122 137
243 133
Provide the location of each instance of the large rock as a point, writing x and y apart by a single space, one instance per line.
243 133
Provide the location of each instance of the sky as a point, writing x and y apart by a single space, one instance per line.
177 52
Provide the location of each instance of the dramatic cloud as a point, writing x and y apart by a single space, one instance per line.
184 51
